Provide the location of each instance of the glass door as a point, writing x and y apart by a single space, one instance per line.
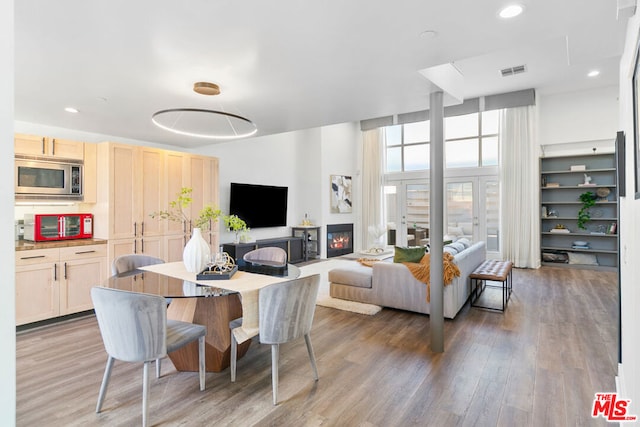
407 212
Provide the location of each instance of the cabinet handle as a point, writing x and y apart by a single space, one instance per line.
135 229
43 146
135 246
142 245
142 228
53 147
84 252
32 257
55 272
65 271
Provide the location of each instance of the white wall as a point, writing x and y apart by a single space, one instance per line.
301 160
7 246
629 370
577 122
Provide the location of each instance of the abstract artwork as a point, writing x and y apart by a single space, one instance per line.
341 194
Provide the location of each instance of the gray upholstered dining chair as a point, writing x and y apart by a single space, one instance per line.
286 312
134 328
272 256
130 262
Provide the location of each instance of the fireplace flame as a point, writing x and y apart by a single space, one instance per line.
340 242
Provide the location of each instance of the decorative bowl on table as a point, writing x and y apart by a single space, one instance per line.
580 243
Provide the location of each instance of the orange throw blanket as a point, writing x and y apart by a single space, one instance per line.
421 270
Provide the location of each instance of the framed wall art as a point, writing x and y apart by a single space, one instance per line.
341 198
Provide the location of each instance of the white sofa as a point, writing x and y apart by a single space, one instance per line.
392 285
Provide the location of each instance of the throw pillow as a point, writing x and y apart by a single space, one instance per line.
450 249
408 254
465 242
457 246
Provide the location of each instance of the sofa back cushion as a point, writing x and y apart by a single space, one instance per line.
409 254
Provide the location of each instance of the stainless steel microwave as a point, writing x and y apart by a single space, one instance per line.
48 179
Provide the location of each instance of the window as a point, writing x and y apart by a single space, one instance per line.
471 141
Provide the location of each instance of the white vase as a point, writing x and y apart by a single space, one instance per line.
196 252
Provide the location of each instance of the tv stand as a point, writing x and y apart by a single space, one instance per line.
291 244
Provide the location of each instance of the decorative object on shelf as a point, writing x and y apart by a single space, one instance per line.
552 185
552 213
235 224
306 222
341 194
544 212
588 200
603 194
176 211
196 252
580 243
560 228
587 182
578 168
613 228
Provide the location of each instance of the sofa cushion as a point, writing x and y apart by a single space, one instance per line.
354 275
409 254
465 242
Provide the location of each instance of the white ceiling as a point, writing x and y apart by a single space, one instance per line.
291 64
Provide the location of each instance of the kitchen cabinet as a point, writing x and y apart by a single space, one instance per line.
135 181
57 281
129 188
33 145
562 182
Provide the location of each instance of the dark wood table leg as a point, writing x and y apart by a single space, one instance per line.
215 313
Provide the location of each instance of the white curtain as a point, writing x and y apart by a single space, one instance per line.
372 183
520 207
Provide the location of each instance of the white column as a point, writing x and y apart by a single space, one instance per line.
436 220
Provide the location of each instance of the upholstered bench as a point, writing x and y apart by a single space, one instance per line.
491 270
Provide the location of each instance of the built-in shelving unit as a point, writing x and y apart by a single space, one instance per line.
562 183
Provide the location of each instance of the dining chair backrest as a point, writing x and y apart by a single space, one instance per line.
272 256
286 309
133 325
125 263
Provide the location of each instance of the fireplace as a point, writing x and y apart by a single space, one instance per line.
339 239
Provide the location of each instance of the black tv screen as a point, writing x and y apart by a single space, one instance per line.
259 205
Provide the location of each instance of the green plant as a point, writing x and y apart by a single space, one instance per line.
234 223
588 200
176 211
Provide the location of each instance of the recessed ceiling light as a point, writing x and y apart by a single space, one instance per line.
511 11
593 73
429 34
206 88
71 110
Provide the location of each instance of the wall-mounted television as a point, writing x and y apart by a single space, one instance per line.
259 205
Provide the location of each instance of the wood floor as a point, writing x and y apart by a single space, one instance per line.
538 364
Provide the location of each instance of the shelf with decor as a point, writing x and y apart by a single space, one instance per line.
579 211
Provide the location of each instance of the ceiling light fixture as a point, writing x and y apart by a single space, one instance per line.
511 11
208 124
593 73
71 110
206 88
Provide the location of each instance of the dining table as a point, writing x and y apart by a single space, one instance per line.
211 301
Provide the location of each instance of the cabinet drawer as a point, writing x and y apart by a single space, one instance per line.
37 256
79 252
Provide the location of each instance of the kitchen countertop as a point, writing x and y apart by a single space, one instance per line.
25 245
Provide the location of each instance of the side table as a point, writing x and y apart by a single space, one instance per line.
311 240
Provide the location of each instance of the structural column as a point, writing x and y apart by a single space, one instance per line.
436 220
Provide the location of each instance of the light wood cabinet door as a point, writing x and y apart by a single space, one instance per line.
174 245
122 203
35 145
176 165
151 191
37 285
79 276
67 149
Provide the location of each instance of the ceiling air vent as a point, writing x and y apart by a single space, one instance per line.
513 70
